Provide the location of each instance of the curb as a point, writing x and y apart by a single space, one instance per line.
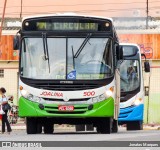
151 128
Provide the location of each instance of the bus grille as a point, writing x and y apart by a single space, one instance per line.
64 87
70 100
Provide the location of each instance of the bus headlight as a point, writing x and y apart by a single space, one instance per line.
102 97
25 94
94 100
109 92
37 99
138 101
30 97
99 98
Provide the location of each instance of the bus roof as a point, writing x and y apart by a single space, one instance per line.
66 14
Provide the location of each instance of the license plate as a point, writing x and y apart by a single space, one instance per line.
65 108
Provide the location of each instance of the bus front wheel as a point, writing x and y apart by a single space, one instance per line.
39 128
48 127
80 127
31 125
104 126
135 125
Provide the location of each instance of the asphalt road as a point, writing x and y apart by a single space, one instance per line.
69 134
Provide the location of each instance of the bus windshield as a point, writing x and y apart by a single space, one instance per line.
130 75
94 61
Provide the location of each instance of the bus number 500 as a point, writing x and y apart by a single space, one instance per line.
92 93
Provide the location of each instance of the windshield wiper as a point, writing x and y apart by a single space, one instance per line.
45 47
73 58
83 45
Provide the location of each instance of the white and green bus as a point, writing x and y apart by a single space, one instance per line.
68 72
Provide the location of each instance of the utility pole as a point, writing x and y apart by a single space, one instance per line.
2 20
21 10
147 11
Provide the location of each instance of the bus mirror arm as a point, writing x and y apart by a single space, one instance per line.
143 55
119 52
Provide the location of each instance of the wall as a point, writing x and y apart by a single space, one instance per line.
149 43
152 102
9 81
6 48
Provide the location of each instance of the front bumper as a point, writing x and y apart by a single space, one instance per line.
133 113
28 108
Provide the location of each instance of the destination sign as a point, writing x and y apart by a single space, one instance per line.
66 26
69 24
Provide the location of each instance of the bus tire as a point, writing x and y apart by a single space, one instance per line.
115 126
39 128
31 125
48 128
135 125
80 127
97 129
104 126
89 127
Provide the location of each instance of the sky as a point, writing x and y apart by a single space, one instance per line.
107 8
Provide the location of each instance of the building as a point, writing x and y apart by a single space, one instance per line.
9 59
116 8
130 30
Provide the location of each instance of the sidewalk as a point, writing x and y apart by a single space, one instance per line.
151 127
21 126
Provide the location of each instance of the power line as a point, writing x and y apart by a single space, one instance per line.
82 4
78 11
109 10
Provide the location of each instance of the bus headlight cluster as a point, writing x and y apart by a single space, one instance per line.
98 98
102 97
138 101
29 96
109 93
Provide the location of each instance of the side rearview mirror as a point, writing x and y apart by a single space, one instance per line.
146 66
16 42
